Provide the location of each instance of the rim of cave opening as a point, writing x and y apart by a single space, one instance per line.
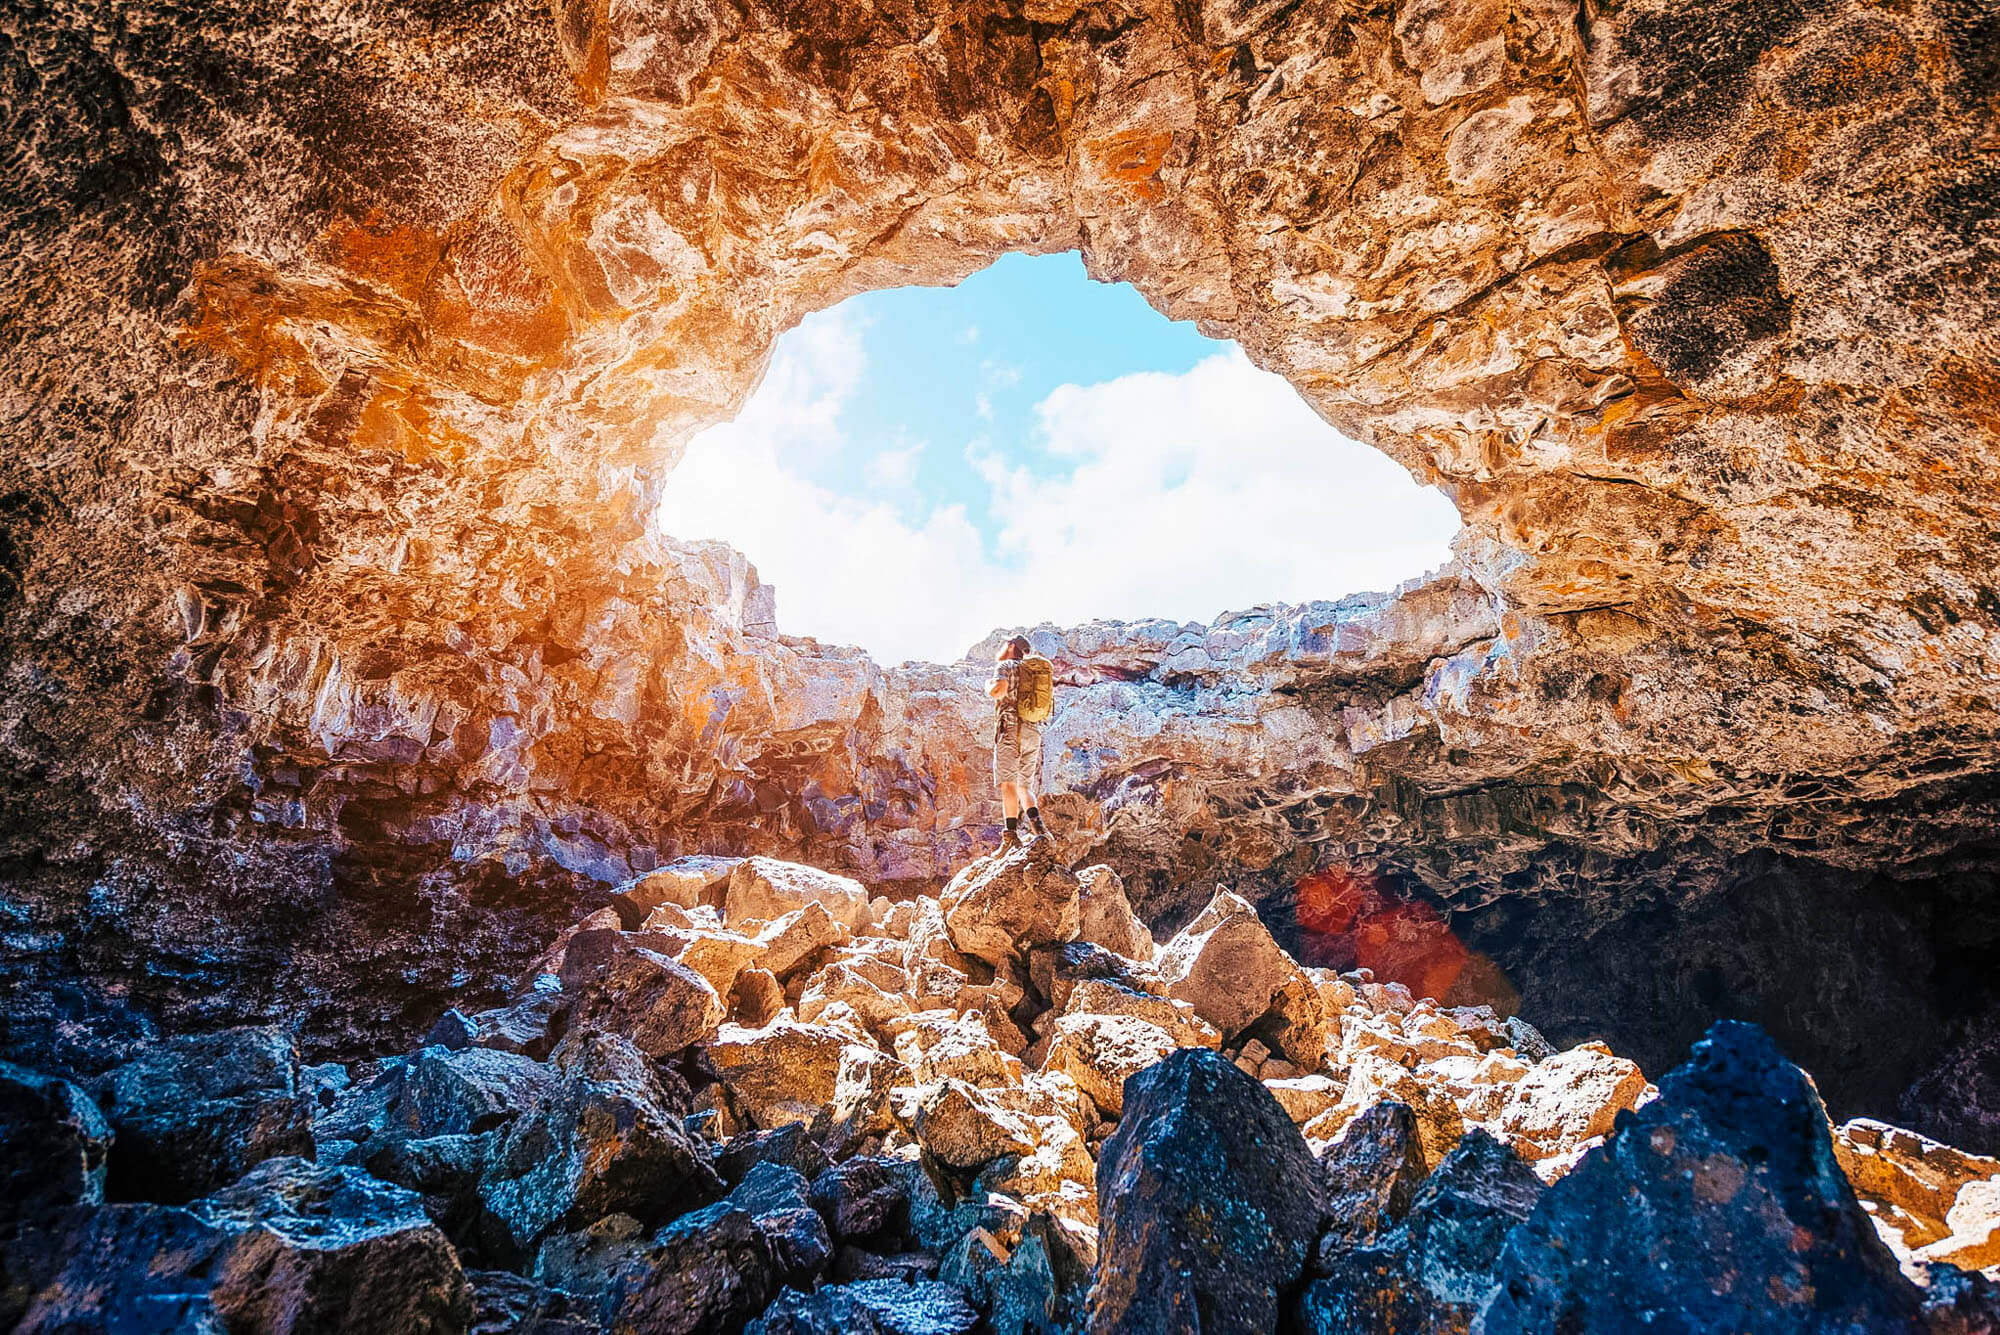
923 466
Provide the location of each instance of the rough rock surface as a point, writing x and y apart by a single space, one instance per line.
349 345
1210 1203
1729 1175
1128 1169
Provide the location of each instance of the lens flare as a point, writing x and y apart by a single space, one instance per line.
1349 918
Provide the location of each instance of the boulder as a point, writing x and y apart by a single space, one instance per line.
1439 1123
779 1199
54 1144
1568 1098
1303 1097
1209 1203
467 1092
719 956
504 1303
684 883
765 889
1718 1206
963 1129
1105 916
1226 965
1101 1052
758 998
603 1140
791 1146
290 1249
657 1003
1973 1239
1432 1271
194 1113
870 1307
850 984
863 1198
1372 1173
939 1045
453 1031
522 1025
705 1273
789 940
333 1250
784 1072
1001 905
1097 996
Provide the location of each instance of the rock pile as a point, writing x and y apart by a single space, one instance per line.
748 1096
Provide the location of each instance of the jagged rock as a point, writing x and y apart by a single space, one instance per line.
1973 1223
765 889
1909 1184
847 983
1105 916
522 1025
964 1129
54 1144
869 1307
684 883
718 956
194 1113
466 1092
453 1031
778 1197
710 1271
851 1263
590 1263
1959 1302
784 1072
862 1198
1000 906
1101 1052
504 1303
939 1045
791 1146
789 940
1719 1205
1569 1098
657 1003
1303 1097
1226 965
290 1249
1431 1271
600 1142
331 1249
1372 1078
1372 1174
1018 1289
1209 1199
1097 996
445 1171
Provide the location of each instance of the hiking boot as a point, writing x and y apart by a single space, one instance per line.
1010 842
1041 830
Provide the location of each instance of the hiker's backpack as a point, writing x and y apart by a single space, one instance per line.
1035 689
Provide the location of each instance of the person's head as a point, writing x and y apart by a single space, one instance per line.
1018 647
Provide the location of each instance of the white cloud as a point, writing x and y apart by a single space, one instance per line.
969 334
1184 496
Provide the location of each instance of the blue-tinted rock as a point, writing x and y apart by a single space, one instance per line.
454 1031
195 1112
602 1141
1429 1274
291 1249
1209 1202
777 1197
53 1146
707 1273
1717 1207
791 1145
1372 1174
504 1303
862 1199
870 1307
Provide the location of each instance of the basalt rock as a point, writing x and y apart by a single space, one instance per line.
195 1112
53 1146
1210 1203
1730 1175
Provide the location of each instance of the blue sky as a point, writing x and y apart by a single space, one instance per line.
923 465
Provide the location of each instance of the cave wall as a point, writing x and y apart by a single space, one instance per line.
347 346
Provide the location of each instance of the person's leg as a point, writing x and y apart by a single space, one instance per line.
1010 800
1031 777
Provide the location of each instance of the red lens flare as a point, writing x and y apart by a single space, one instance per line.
1350 919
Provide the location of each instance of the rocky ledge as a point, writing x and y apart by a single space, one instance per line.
751 1096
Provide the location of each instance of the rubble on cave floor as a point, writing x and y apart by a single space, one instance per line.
748 1096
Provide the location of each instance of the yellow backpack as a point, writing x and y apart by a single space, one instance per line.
1035 689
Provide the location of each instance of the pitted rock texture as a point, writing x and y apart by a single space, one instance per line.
939 1182
349 344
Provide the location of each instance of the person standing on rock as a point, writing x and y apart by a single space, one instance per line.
1023 687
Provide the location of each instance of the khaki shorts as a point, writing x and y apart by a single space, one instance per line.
1017 752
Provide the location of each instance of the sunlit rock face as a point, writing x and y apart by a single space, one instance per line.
348 345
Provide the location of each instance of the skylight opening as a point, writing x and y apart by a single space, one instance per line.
921 466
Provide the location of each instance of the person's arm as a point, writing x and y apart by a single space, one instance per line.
996 688
1003 681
